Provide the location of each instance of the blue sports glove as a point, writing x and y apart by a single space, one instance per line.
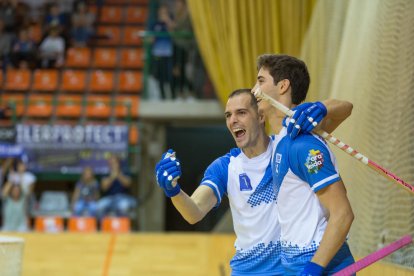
306 117
312 269
167 170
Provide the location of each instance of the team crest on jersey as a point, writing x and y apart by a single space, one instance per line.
244 182
314 161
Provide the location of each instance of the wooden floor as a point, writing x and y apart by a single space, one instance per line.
140 254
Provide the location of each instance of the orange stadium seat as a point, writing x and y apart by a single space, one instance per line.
121 107
17 79
102 81
69 106
74 80
130 81
17 99
105 57
132 58
111 14
115 224
49 224
45 80
98 106
111 35
39 106
78 57
35 32
133 135
132 36
82 224
136 15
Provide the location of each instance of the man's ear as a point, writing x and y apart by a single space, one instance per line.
262 117
284 86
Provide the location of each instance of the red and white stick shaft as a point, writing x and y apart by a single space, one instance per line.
346 148
374 257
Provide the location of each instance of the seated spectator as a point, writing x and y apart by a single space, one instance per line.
54 19
25 179
116 193
86 195
15 216
6 40
24 50
8 14
82 25
52 50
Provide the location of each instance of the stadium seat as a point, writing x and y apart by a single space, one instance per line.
130 81
17 80
122 104
110 35
39 106
82 224
98 107
35 32
78 57
17 99
132 36
116 225
69 106
105 57
45 80
132 58
133 135
102 81
49 224
74 80
111 15
136 15
53 204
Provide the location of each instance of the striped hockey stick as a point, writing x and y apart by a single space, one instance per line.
335 141
374 257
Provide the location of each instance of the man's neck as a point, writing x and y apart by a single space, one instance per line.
259 148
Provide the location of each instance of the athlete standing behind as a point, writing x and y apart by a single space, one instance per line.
313 209
244 175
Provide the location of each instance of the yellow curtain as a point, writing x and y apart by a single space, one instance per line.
361 51
232 33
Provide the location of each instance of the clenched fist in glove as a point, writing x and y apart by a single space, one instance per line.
167 171
306 117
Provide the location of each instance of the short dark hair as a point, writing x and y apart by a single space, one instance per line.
253 100
283 67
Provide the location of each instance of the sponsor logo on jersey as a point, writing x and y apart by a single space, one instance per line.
314 161
244 182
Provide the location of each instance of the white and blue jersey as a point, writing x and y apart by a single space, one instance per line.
248 185
300 168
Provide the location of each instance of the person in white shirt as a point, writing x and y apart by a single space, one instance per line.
244 175
52 50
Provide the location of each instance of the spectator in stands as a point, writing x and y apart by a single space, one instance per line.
15 216
162 52
82 25
4 169
184 43
116 192
6 40
52 50
8 14
20 176
24 50
86 194
54 19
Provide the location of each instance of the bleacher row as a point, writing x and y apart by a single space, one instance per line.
55 224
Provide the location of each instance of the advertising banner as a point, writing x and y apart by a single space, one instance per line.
68 148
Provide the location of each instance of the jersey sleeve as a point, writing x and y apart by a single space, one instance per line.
216 176
311 160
